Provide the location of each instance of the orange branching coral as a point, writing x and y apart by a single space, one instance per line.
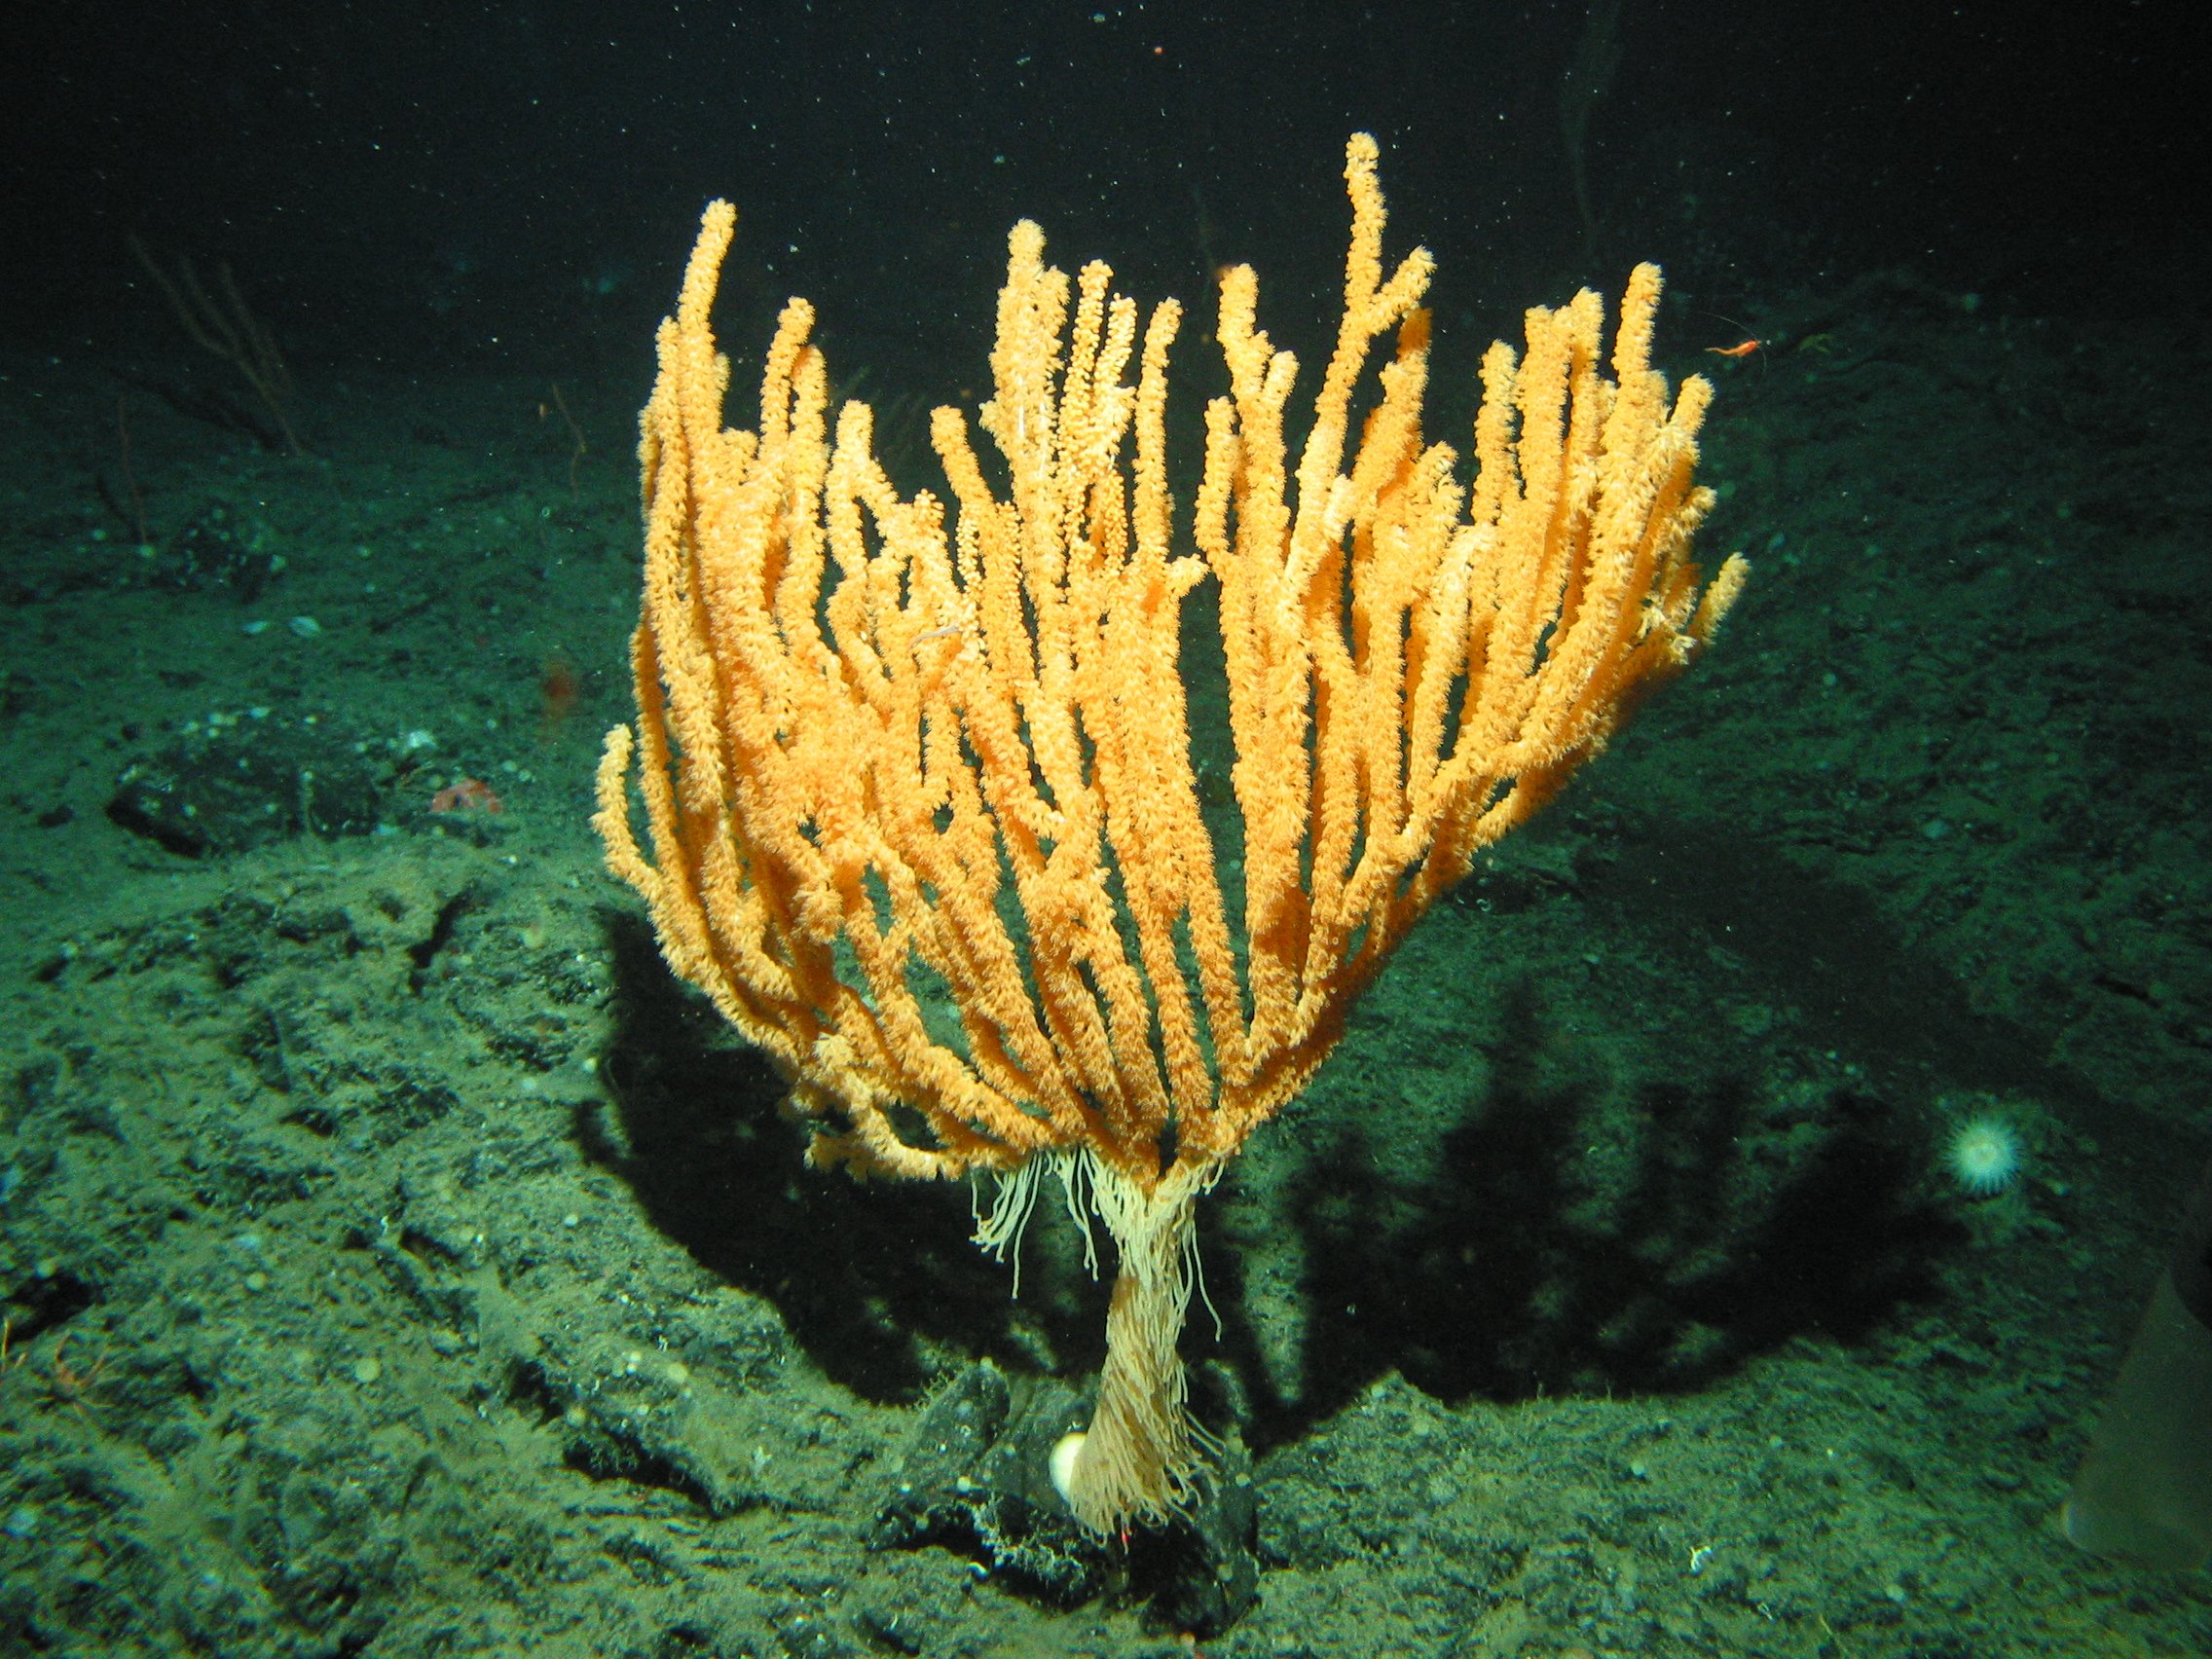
922 816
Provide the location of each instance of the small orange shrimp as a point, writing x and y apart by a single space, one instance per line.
1752 343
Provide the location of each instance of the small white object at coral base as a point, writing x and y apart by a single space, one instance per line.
1062 1464
1984 1156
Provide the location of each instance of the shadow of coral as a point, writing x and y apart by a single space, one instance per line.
1508 1273
1511 1270
865 1276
